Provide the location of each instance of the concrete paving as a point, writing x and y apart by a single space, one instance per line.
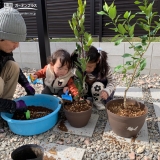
155 93
133 92
157 111
62 152
142 137
84 131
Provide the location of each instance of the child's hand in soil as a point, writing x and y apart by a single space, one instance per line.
21 106
104 95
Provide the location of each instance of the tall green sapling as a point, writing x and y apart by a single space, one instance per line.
125 29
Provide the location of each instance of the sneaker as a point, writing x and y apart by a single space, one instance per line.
99 105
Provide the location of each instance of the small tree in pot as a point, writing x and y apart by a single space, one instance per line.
80 106
124 29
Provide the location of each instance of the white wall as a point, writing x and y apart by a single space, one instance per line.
27 54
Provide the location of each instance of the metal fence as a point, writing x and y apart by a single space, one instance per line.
60 11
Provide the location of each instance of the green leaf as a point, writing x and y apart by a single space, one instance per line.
137 74
78 85
77 64
90 40
143 64
126 55
74 22
126 27
118 41
156 23
149 9
124 71
121 29
79 75
79 2
115 37
101 13
108 23
137 2
144 39
112 12
142 20
142 8
126 15
117 68
138 48
75 32
144 42
131 17
83 64
70 24
114 29
118 16
86 35
134 58
128 63
130 67
105 7
146 27
86 48
112 5
131 31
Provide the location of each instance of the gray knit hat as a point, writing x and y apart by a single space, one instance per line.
12 25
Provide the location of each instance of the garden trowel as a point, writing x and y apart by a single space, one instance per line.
66 97
34 81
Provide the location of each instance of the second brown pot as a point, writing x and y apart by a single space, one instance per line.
126 126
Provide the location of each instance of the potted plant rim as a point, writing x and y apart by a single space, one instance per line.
28 151
127 116
79 111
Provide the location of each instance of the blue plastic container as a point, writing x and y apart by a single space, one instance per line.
35 126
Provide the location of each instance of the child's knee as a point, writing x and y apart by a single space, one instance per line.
97 87
10 71
95 90
12 67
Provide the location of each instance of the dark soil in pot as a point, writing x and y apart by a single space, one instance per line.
134 109
35 112
77 106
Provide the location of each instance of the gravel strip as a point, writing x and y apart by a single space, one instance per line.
97 148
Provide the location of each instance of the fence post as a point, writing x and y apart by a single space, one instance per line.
42 28
158 7
1 4
92 13
100 20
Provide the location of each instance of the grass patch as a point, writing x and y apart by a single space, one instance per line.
104 39
95 39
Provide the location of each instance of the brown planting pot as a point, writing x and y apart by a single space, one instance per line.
78 119
126 126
